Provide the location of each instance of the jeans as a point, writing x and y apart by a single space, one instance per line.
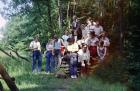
36 59
73 68
57 57
50 62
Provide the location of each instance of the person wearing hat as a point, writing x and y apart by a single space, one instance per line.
36 54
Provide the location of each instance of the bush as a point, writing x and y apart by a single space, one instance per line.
113 71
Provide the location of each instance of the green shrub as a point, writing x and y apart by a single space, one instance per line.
113 71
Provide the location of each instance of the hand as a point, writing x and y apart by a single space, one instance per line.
83 65
88 63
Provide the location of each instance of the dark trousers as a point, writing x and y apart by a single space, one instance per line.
73 68
50 62
36 59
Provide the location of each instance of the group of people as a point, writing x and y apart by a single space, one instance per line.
79 46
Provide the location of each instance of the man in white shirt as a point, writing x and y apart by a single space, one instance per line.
36 54
98 29
72 48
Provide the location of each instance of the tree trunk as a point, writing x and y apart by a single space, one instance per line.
68 8
11 84
49 16
59 14
121 5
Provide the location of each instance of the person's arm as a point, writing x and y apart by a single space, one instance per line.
79 57
88 54
98 51
104 52
62 42
31 46
87 41
101 29
78 25
108 42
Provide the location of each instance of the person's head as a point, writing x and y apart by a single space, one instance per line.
101 43
88 21
97 22
92 34
82 26
66 32
70 41
74 17
36 38
55 37
92 23
84 47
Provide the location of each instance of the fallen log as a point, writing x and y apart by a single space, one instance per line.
9 81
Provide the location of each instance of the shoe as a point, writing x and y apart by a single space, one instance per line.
48 73
75 76
34 71
72 76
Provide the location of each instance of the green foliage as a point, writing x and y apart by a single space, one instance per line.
30 19
94 84
113 71
132 44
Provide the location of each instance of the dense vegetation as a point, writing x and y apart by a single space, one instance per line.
46 17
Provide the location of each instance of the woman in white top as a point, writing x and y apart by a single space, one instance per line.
92 42
84 58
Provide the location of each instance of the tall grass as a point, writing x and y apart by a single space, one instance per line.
94 84
27 81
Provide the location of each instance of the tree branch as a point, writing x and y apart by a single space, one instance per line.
10 55
16 52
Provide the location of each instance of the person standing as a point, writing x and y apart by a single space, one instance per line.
50 62
84 59
75 27
57 43
98 29
36 55
92 42
72 49
101 51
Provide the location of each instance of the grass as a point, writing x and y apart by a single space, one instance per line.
27 81
92 84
